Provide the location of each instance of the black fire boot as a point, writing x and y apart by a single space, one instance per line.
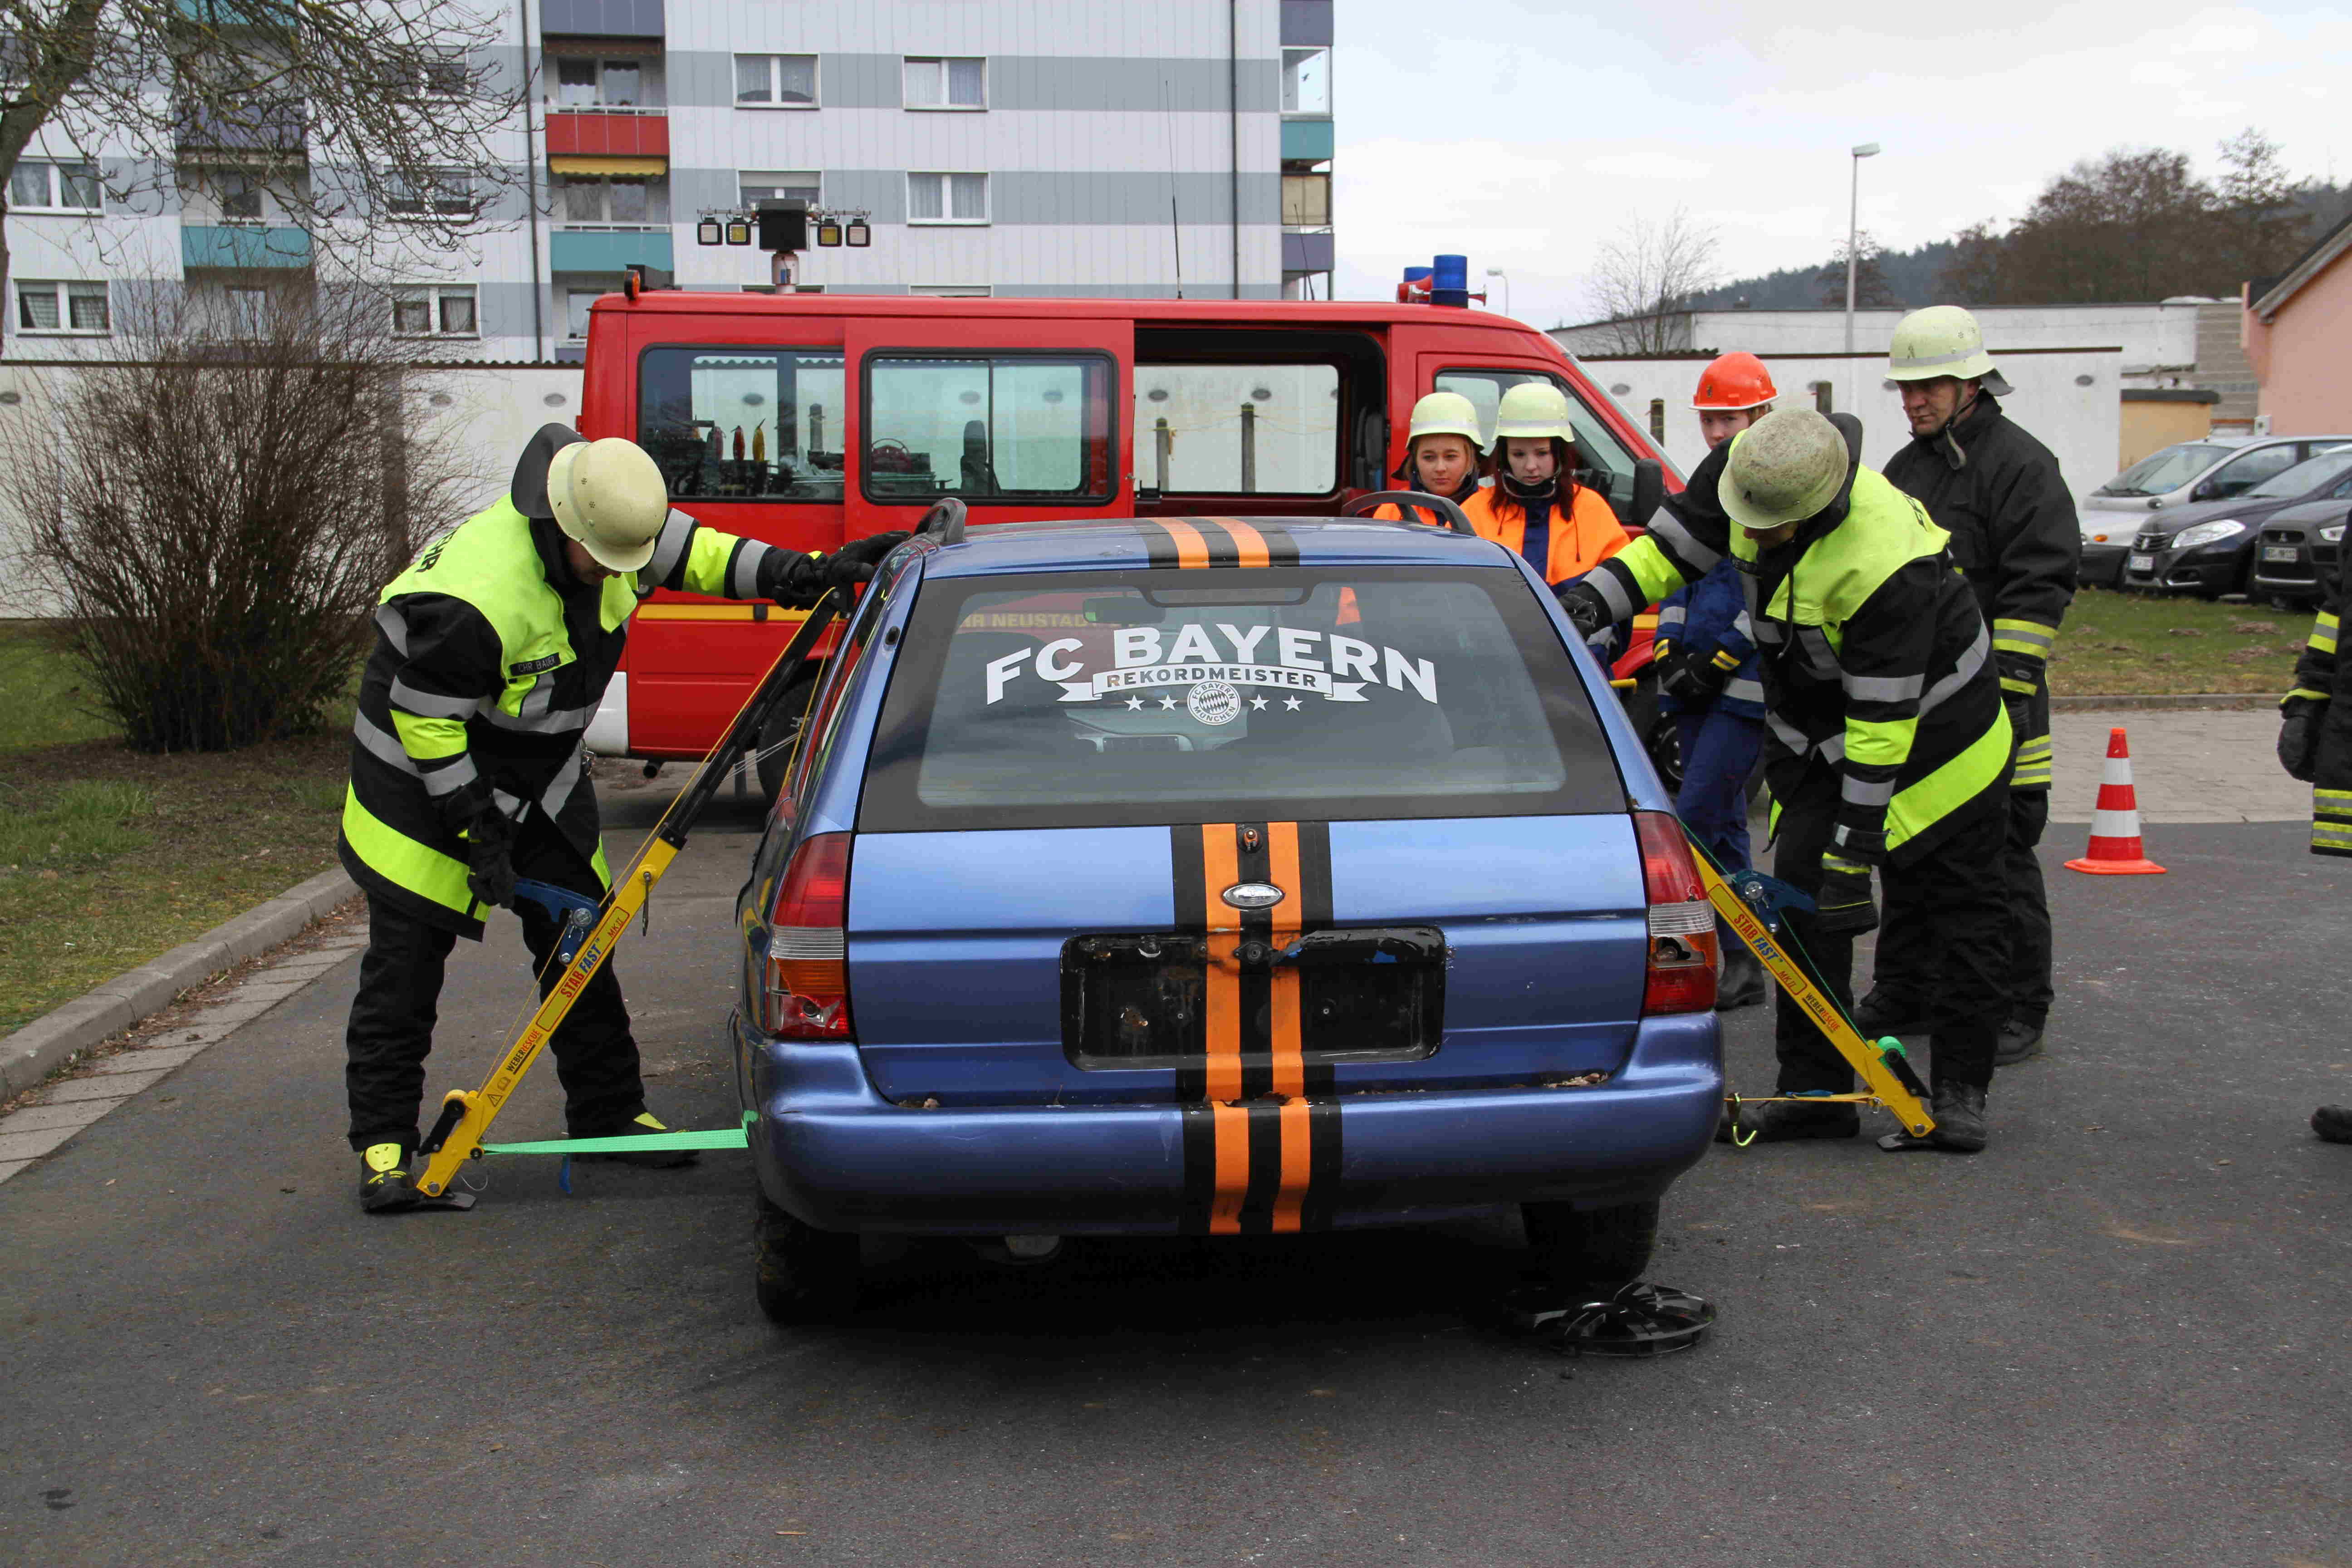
1880 1014
2019 1041
384 1184
648 1159
1786 1121
2333 1122
1742 984
1959 1112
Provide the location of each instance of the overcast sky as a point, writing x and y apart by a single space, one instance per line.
1524 134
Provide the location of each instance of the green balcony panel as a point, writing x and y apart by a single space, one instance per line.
242 246
595 250
1306 141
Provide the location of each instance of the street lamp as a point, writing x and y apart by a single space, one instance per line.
1497 272
1853 232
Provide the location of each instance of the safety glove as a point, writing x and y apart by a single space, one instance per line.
489 856
1691 679
2298 742
1587 610
854 562
1841 905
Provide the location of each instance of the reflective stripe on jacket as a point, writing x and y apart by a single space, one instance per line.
1875 661
2015 537
2319 679
488 665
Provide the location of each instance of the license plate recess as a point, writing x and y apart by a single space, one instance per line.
1138 1000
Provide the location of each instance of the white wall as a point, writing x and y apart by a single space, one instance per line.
2150 335
2082 425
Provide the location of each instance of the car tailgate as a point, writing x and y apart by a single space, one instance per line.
1104 964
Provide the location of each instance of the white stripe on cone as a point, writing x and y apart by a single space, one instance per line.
2114 823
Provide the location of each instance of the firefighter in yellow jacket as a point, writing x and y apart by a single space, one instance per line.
492 651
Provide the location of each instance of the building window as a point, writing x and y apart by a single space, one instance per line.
239 195
444 75
435 310
440 196
249 312
947 198
576 302
53 187
599 83
1307 82
594 202
945 83
951 291
64 309
757 185
1306 201
775 81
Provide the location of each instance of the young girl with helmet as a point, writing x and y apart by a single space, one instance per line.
1443 453
1534 506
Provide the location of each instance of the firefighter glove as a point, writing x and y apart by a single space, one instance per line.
854 562
1693 679
2298 742
1842 905
1586 608
489 852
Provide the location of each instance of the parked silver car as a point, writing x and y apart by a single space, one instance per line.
2214 468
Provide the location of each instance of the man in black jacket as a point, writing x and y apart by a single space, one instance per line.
1998 491
2316 746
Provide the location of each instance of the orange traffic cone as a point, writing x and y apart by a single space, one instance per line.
2115 850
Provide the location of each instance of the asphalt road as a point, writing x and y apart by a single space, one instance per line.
2117 1337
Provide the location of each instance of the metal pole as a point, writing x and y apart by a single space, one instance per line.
1852 227
530 183
1249 448
1162 439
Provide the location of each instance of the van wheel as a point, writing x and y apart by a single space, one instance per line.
803 1275
1592 1249
775 741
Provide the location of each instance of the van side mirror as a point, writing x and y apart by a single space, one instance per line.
1649 491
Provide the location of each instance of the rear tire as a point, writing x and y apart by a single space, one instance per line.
1599 1249
802 1273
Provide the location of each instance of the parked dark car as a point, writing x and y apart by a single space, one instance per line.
2296 556
2207 548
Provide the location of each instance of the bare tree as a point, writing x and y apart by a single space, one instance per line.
216 512
1871 288
1644 283
369 122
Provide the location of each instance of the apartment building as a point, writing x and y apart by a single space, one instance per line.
1147 148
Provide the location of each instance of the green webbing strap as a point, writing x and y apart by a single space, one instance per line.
728 1138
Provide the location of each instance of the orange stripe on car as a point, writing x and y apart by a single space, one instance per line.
1192 547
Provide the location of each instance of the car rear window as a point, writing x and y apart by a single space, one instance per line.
1076 699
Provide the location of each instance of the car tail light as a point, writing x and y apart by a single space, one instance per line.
1683 955
807 991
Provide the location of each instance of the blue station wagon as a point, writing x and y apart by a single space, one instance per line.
1202 877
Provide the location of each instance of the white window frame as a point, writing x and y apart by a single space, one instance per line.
436 201
601 104
433 294
907 102
775 80
946 201
655 197
744 178
61 294
1282 82
51 169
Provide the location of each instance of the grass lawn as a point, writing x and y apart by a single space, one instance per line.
109 857
2133 645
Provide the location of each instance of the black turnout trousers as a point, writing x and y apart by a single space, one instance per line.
1907 940
390 1029
1955 890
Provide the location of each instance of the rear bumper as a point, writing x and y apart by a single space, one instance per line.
838 1156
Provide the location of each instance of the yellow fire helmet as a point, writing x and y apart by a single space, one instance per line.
609 496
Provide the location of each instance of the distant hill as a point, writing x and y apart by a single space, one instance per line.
1911 274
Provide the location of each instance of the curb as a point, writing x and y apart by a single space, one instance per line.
2241 701
51 1040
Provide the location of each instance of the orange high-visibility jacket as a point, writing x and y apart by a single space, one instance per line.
1589 534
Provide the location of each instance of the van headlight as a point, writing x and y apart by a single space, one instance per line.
2212 532
2333 533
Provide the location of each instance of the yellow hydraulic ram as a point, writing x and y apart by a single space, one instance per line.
466 1116
1881 1065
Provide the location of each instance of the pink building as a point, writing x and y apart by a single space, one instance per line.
2297 334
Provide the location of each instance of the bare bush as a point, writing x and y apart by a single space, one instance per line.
217 513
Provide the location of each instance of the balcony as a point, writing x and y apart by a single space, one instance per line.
602 18
609 132
1306 141
608 250
249 245
271 130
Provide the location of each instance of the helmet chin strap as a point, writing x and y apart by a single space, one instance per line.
1513 483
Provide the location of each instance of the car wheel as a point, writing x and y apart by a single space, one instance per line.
1664 742
775 741
1597 1248
803 1275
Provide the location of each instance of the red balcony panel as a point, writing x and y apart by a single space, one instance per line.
609 135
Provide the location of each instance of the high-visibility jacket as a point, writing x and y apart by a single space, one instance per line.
1997 492
488 664
2321 678
1586 536
1875 661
